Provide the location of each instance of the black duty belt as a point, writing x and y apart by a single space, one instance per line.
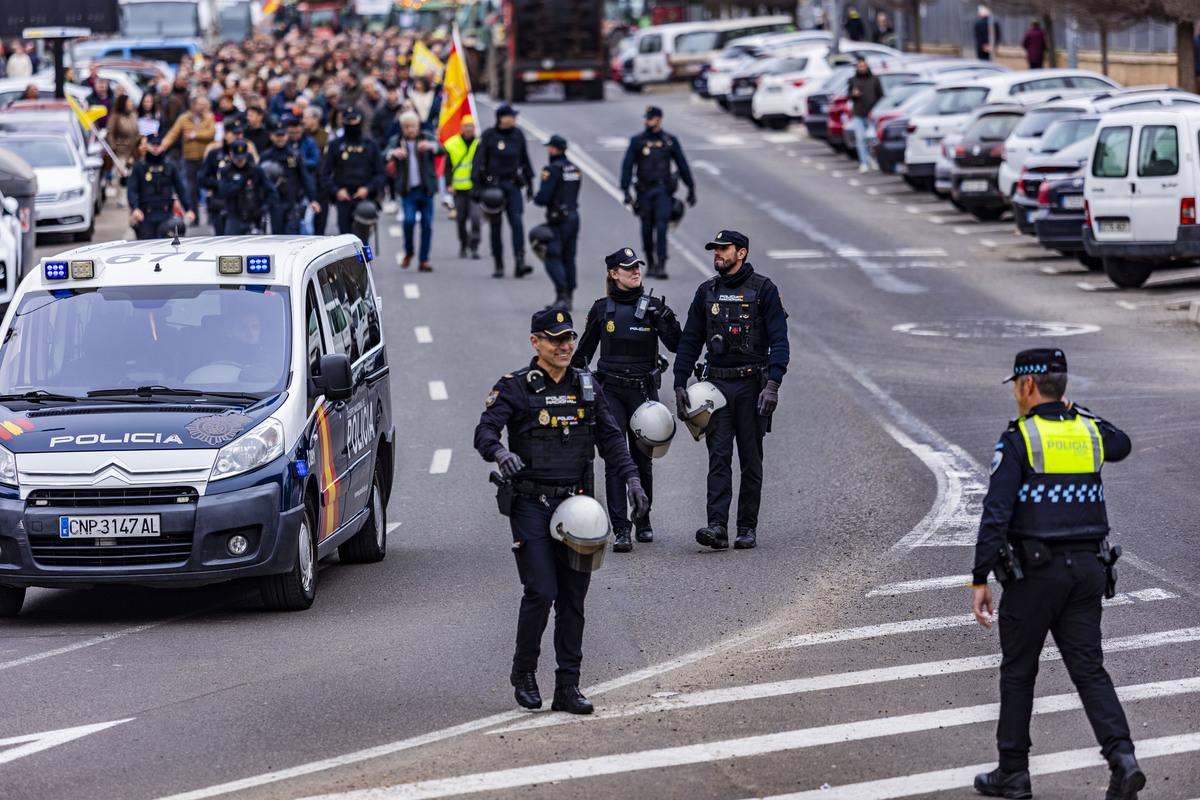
533 489
1081 546
154 209
624 381
732 373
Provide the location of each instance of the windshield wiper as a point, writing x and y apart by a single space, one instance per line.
40 396
152 391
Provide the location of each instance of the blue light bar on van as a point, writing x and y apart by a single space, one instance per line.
258 265
56 270
370 255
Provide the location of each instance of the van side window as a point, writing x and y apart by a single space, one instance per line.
1111 157
315 344
1158 151
333 297
650 44
361 309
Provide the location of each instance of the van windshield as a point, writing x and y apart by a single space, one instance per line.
225 339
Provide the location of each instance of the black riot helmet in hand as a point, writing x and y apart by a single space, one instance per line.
492 200
540 237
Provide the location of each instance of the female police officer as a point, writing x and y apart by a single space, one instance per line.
627 324
554 419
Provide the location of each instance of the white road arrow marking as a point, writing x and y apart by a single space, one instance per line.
37 742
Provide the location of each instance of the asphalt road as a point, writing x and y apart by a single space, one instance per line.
840 653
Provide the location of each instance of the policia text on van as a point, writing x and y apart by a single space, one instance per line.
173 417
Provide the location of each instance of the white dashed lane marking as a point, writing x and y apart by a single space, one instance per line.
437 390
412 291
424 336
440 463
395 231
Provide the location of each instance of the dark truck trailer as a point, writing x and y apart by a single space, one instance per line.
550 41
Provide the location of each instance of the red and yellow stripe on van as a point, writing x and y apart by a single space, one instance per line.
331 487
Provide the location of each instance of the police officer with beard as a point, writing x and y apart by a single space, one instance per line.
652 152
293 183
627 325
152 186
352 169
739 319
245 190
1045 514
555 421
502 160
559 193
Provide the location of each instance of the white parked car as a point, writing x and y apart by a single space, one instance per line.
10 247
64 202
678 50
739 52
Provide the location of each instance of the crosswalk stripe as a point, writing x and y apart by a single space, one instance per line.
962 777
854 252
440 462
744 747
923 585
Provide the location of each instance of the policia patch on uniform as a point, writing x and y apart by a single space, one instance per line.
716 309
997 457
545 174
543 417
610 326
491 398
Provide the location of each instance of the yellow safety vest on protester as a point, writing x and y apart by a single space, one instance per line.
461 156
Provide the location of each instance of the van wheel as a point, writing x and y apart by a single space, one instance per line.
987 214
295 589
1126 274
11 600
1093 263
369 544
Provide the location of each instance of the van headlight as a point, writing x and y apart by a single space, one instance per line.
260 446
8 467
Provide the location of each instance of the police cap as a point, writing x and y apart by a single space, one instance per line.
1039 361
550 322
238 126
653 111
505 111
240 148
279 130
625 257
723 238
351 115
154 138
557 141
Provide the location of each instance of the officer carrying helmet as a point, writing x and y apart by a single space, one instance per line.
246 192
215 159
502 162
559 193
352 169
627 324
154 184
651 153
292 181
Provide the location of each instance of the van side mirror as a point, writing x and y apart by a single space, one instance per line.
336 379
11 205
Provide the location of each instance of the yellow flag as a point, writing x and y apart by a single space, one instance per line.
424 62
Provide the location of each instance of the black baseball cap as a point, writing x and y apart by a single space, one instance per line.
551 322
653 111
723 238
240 148
1039 361
625 257
505 111
557 141
154 138
351 115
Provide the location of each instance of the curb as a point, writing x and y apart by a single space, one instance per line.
1194 312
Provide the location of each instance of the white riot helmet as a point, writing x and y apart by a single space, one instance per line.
654 426
581 523
703 399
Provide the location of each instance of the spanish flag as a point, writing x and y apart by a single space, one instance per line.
270 6
456 92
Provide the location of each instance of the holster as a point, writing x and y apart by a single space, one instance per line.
1108 557
504 493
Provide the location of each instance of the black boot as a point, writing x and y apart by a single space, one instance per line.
462 252
522 269
475 254
1127 778
714 536
997 783
498 271
662 270
644 532
621 543
571 700
745 539
525 684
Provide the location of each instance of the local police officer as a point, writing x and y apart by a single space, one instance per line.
627 324
245 190
739 319
153 184
502 161
352 169
292 181
652 152
559 193
554 419
1043 531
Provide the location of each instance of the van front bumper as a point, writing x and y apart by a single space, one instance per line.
1186 245
190 550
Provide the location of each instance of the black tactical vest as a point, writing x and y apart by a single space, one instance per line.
504 153
556 439
1054 504
626 340
157 188
734 323
654 157
566 194
248 204
352 163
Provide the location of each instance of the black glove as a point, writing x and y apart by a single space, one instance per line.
681 403
529 193
691 198
641 503
768 399
510 463
628 197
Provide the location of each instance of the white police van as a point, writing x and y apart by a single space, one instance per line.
177 413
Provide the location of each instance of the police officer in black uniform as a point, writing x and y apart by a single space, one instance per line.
153 184
559 193
627 325
502 160
1043 531
652 152
245 190
214 161
555 420
352 169
739 319
294 184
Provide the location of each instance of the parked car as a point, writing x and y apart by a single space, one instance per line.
1047 167
64 202
1140 205
14 89
10 244
1060 218
977 158
677 50
816 120
891 131
738 53
746 82
57 116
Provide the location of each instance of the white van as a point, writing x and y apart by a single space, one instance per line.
1140 193
676 51
189 412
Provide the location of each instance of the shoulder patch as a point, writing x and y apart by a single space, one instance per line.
491 398
997 457
545 174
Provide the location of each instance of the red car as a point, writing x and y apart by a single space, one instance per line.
839 115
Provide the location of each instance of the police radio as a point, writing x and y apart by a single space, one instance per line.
643 305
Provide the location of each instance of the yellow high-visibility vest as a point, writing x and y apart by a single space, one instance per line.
461 158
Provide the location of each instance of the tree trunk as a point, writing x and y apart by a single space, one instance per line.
1051 48
914 31
1185 51
1104 48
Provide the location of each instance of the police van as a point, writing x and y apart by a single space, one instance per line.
176 413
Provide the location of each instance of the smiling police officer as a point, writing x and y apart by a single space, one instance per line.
739 319
555 421
1043 531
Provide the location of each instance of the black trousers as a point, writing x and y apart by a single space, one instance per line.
560 254
738 422
1061 597
655 206
149 226
514 207
469 220
548 581
622 402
